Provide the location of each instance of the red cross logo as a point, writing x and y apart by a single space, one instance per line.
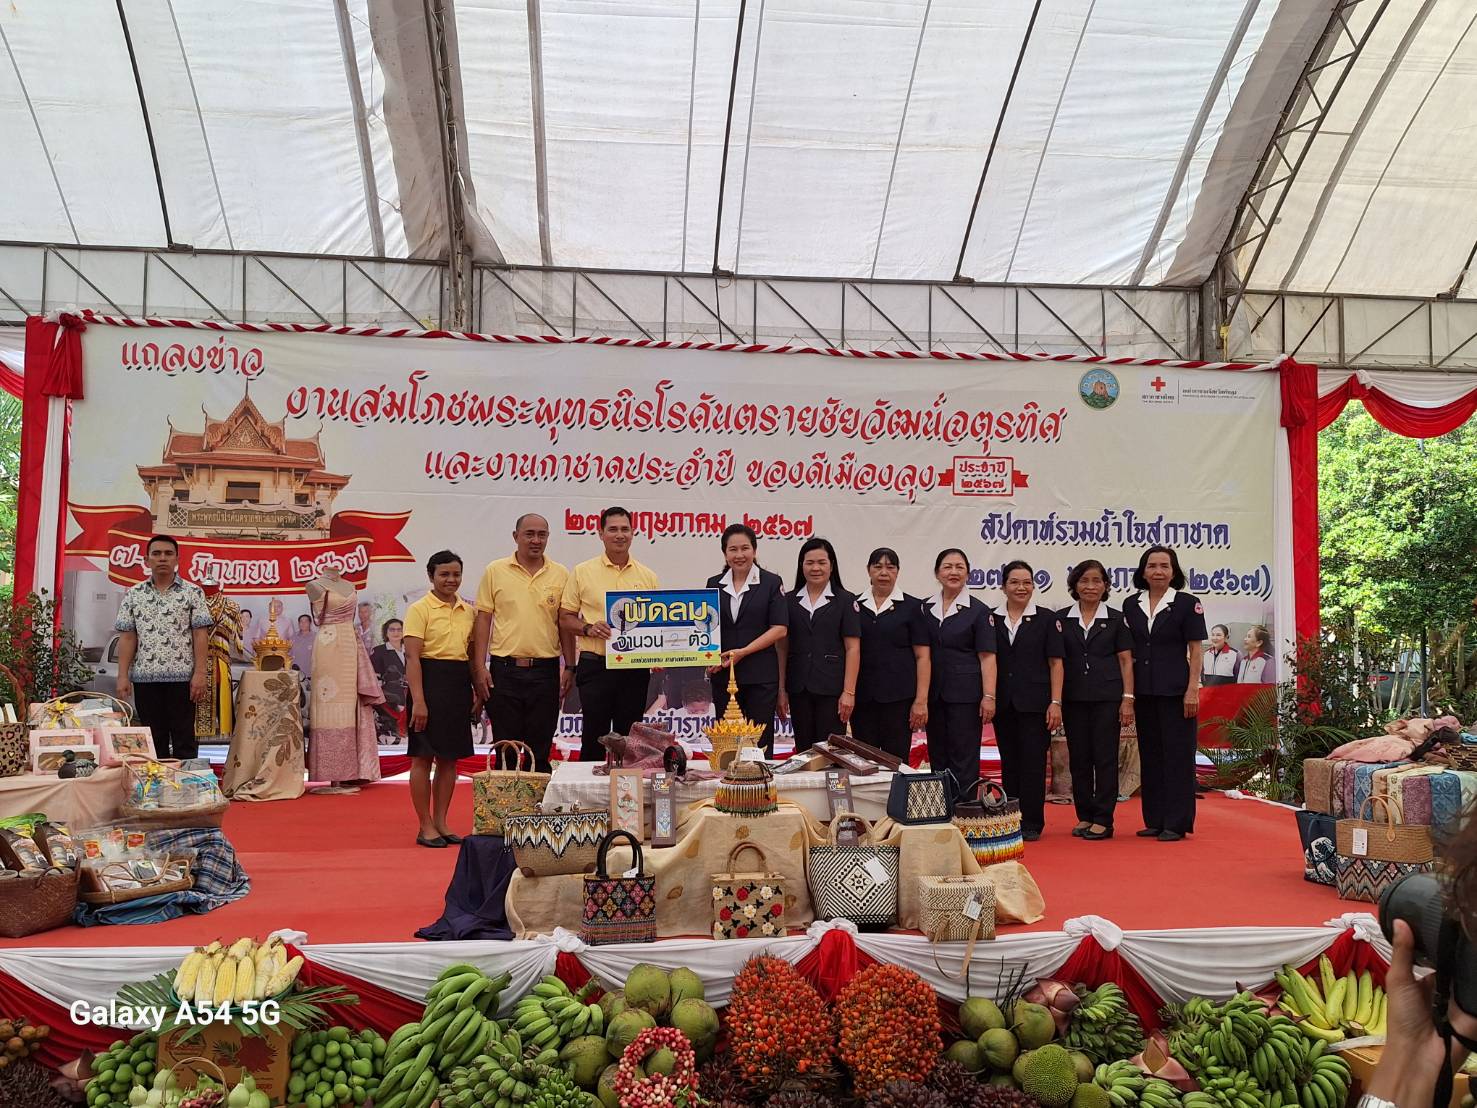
1158 384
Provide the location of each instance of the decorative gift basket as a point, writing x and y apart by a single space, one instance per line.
733 732
162 793
558 841
747 789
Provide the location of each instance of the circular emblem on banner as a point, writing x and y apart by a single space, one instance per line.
1098 388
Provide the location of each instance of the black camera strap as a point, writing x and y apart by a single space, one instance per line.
1448 945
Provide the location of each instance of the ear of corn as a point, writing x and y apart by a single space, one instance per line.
241 947
189 970
205 982
225 982
245 979
264 971
284 977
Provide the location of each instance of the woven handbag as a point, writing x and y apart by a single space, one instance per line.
748 903
15 739
991 824
499 791
1386 840
941 905
1368 878
33 902
619 909
747 789
1318 784
860 882
921 797
553 843
1317 831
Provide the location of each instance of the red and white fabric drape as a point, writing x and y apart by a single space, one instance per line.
1418 405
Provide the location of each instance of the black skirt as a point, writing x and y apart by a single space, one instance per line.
448 733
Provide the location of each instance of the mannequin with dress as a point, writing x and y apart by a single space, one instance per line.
342 745
213 710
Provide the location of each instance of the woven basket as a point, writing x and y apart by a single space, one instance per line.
747 789
499 791
554 843
1462 756
173 819
941 902
991 824
15 742
1387 840
158 887
36 902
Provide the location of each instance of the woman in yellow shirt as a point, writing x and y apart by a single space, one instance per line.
438 636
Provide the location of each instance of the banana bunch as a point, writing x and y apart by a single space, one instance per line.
551 1015
1158 1093
1235 1090
1343 1007
454 1029
1227 1082
1123 1081
1324 1080
1282 1053
1103 1026
503 1076
247 970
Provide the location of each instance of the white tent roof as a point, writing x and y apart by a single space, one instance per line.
594 134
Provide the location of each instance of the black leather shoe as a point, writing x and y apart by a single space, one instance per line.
1149 833
451 840
1080 830
1170 836
1030 836
437 843
1097 836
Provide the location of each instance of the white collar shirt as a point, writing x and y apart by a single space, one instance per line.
870 601
942 612
1012 628
1075 612
817 605
736 593
1165 601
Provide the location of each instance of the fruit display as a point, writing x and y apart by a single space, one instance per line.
1331 1007
24 1084
889 1027
333 1067
642 1081
453 1031
509 1072
246 970
19 1039
1103 1026
551 1015
777 1024
124 1066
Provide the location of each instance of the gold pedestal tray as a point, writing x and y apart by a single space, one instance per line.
733 732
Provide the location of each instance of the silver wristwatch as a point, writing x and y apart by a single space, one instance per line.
1367 1101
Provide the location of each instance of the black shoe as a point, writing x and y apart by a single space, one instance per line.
1170 836
1030 836
451 840
438 842
1097 836
1080 830
1149 833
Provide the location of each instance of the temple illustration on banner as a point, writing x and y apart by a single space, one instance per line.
242 478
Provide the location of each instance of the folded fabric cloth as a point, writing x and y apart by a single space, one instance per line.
1377 748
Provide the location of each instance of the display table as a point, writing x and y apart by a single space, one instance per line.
684 872
265 761
79 803
578 783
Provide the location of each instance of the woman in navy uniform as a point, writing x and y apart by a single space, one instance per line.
961 692
1098 698
754 619
1028 663
1168 627
823 650
892 685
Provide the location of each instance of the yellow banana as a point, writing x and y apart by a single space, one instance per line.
1364 1010
1326 974
1351 996
1334 1003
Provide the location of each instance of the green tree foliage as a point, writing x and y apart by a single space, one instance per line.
46 661
10 468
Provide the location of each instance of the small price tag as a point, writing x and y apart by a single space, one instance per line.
877 871
973 907
632 872
751 754
1361 842
905 768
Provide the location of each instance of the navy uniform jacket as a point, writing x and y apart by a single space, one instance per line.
816 644
955 646
1091 661
1161 663
1024 675
763 608
889 671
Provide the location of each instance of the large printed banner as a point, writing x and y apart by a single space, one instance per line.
273 455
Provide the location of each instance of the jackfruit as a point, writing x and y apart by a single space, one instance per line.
1050 1076
1091 1096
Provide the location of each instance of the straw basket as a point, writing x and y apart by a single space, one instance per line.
157 887
15 744
35 902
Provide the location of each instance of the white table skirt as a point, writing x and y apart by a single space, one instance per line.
577 783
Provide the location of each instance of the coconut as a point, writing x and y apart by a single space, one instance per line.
649 988
1034 1026
1018 1071
586 1057
624 1028
999 1048
606 1088
695 1019
978 1015
1085 1068
686 985
968 1054
613 1004
661 1061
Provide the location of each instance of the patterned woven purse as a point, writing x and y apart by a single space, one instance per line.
921 797
15 741
499 792
550 844
860 882
748 903
1368 878
619 909
942 904
991 824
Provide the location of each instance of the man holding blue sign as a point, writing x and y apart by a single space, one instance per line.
612 697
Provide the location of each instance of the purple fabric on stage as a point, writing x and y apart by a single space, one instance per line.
474 899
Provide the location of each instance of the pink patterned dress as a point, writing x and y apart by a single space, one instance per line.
342 745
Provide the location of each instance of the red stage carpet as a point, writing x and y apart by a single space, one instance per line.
346 869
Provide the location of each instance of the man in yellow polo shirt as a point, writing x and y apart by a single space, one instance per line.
518 612
612 699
